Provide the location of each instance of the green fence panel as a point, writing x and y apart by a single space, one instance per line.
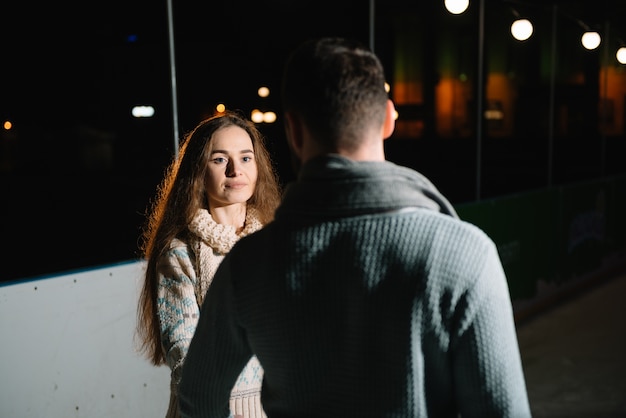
524 230
555 235
592 226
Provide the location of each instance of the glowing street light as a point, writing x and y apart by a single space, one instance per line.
522 29
456 6
621 55
142 111
591 40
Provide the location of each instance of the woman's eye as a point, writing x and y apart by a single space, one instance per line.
246 159
219 160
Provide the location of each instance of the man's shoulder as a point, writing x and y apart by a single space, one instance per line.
449 230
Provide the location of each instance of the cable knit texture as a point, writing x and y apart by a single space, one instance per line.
366 297
185 273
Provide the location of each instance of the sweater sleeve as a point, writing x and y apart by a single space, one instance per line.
177 306
488 371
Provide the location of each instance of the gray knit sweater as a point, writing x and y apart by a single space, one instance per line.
366 297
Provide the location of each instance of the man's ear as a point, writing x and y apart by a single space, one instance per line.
390 120
293 132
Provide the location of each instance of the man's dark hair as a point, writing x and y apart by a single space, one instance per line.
337 86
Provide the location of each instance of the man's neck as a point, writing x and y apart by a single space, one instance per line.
370 151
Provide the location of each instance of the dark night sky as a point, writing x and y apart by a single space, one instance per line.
59 52
70 75
82 51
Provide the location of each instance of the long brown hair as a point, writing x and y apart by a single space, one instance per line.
179 196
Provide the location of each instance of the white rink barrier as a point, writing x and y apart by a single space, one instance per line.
68 348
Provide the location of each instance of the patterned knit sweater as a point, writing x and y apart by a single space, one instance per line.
366 297
185 273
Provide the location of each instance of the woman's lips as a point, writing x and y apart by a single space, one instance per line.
235 185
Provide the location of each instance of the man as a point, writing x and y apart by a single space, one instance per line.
367 296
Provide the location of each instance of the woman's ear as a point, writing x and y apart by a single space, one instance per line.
390 120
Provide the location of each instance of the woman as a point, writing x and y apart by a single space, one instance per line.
221 187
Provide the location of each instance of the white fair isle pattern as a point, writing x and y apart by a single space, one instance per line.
245 399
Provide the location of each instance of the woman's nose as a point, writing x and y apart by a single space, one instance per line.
232 169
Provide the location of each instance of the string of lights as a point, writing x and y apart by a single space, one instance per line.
522 28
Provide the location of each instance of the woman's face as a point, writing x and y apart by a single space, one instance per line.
232 172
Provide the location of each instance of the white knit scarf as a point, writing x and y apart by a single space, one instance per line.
214 241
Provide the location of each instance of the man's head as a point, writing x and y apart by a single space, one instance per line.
334 100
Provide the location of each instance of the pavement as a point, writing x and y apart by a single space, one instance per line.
574 354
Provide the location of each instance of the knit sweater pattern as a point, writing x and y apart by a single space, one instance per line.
366 296
185 273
